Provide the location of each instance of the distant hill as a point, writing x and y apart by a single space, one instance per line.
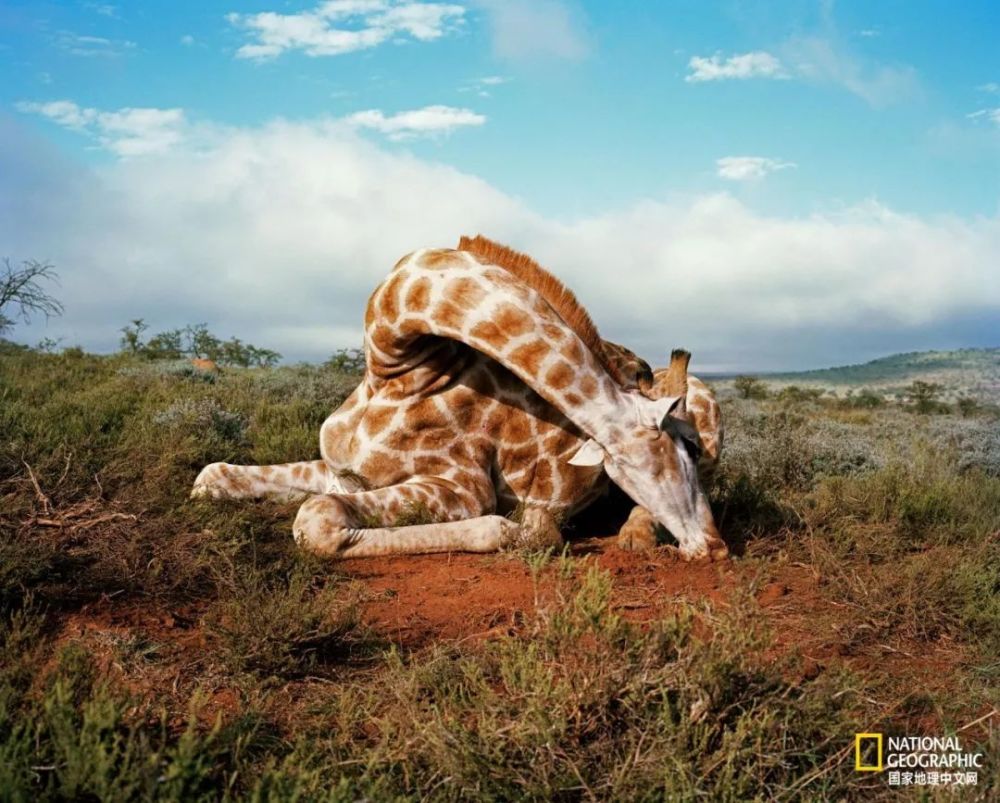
965 371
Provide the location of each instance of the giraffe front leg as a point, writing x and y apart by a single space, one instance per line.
285 481
422 515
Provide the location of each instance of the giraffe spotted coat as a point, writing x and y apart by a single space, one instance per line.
477 399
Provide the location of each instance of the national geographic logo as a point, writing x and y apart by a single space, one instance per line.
917 760
868 752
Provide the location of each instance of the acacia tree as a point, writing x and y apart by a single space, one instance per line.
750 387
22 295
925 395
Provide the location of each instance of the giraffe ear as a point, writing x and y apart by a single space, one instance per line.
666 407
590 454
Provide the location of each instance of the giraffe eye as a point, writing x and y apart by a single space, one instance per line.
693 448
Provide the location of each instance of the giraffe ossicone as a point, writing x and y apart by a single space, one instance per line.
478 392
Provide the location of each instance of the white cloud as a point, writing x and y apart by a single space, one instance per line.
344 26
823 60
536 29
278 234
992 115
746 168
428 121
187 40
104 9
90 46
482 86
757 64
992 88
869 33
125 132
814 59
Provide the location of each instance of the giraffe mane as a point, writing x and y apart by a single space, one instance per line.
557 294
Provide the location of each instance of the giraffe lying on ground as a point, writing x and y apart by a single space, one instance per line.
478 398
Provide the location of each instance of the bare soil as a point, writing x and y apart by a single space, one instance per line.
415 602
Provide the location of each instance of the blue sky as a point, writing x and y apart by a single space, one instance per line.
770 184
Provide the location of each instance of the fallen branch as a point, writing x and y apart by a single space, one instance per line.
83 525
39 494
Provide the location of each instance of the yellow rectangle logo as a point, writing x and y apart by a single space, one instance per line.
862 740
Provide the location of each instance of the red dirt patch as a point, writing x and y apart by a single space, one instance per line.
418 601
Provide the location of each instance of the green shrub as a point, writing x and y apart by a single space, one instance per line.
865 399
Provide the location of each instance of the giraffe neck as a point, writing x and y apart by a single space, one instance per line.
451 295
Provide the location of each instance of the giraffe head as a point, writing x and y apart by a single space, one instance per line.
654 459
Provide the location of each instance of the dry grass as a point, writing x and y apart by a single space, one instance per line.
228 665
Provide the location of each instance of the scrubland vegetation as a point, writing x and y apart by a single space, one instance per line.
154 647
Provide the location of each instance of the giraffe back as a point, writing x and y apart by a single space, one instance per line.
627 369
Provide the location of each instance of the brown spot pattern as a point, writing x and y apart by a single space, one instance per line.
465 292
560 376
418 294
489 333
513 321
449 316
530 356
588 387
438 258
377 418
389 300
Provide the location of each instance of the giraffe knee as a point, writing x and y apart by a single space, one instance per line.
539 530
321 525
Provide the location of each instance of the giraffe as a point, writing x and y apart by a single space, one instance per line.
477 398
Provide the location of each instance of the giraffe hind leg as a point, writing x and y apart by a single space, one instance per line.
420 516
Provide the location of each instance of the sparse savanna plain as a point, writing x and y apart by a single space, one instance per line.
241 560
156 647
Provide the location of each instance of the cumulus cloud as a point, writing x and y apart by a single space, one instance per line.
746 168
278 234
536 29
428 121
757 64
344 26
125 132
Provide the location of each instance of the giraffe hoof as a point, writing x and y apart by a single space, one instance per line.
719 553
638 534
636 538
710 553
